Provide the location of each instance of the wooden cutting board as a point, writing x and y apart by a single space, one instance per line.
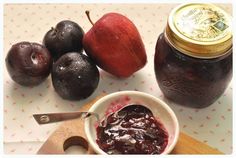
72 133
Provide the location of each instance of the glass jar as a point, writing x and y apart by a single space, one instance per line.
193 56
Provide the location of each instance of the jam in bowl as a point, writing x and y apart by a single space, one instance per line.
132 130
132 122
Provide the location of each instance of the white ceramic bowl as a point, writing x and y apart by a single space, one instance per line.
109 103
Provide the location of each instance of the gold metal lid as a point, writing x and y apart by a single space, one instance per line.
199 30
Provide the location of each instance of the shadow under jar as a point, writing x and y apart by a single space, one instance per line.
193 57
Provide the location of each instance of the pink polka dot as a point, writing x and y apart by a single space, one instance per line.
195 132
72 105
212 132
13 135
181 110
223 117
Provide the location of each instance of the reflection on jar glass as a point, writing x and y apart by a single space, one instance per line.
193 58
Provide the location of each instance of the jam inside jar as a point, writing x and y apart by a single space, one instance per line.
190 72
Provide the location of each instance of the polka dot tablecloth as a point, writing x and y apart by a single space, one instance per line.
30 22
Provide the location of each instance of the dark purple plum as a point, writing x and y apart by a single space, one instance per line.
28 64
65 37
74 76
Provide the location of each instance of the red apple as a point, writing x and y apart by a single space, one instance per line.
115 45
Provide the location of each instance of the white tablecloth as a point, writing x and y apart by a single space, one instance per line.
29 22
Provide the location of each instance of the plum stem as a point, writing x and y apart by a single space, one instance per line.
87 13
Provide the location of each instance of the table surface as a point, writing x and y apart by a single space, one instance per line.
29 22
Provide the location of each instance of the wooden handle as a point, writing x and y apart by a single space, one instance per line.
68 133
72 133
189 145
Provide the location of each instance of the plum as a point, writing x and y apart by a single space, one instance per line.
28 64
65 37
74 76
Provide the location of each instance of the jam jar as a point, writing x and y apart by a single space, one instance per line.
193 55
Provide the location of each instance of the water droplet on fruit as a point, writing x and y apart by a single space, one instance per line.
33 58
61 68
69 28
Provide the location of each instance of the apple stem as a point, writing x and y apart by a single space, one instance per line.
87 13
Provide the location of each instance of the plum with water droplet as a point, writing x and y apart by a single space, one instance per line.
28 64
74 76
65 37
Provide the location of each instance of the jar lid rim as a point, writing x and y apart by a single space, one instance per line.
192 27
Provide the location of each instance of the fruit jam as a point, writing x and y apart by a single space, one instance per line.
193 55
133 130
191 81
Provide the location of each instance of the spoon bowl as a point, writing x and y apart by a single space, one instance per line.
125 99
